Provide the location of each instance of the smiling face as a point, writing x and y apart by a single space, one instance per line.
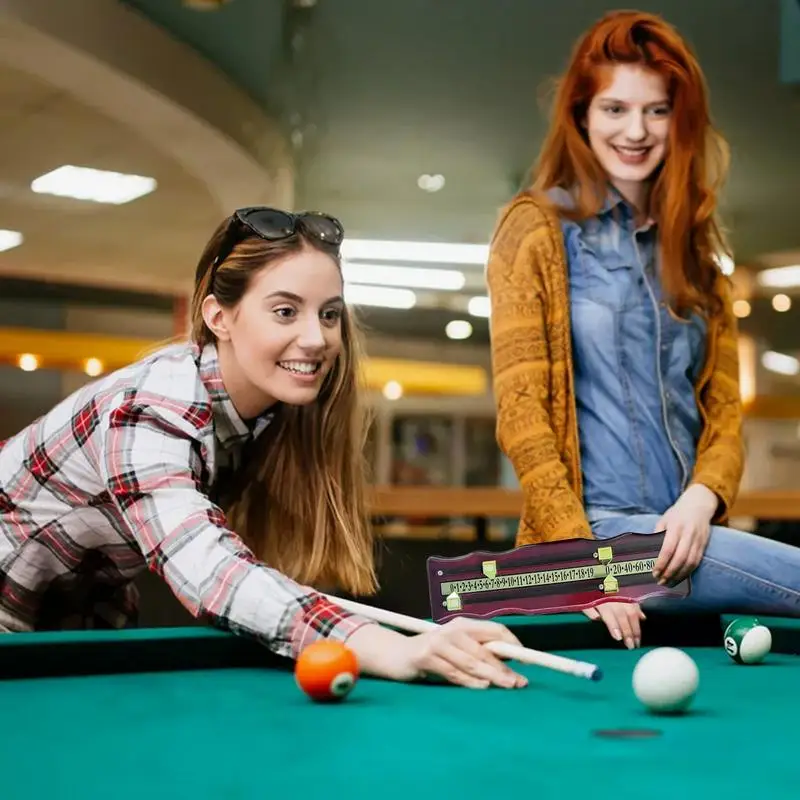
283 337
628 123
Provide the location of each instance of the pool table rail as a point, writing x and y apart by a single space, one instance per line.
81 653
84 653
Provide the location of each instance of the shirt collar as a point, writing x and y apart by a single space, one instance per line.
613 200
230 429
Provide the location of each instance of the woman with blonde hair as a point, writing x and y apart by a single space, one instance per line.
614 344
229 465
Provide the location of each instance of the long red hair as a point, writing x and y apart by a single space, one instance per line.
684 193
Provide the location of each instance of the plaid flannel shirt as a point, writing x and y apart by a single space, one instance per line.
116 479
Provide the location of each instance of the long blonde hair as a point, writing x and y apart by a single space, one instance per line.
299 503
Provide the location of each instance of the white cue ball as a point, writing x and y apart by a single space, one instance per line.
665 680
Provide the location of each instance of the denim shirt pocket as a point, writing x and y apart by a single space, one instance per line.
600 272
688 340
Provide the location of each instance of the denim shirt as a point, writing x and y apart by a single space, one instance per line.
635 366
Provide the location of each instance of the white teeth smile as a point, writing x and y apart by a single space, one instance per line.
300 367
634 151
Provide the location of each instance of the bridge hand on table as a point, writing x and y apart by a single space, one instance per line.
454 651
623 621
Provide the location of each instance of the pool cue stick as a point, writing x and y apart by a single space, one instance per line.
525 655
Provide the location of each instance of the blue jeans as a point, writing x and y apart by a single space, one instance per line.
740 573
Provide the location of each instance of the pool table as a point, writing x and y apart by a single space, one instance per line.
194 713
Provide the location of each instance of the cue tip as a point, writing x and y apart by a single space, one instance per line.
597 674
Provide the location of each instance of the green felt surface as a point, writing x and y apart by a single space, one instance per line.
250 733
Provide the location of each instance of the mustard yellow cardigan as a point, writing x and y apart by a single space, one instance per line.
533 380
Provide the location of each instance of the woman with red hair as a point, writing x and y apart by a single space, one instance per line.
614 345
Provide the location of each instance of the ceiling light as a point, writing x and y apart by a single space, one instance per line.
28 362
205 5
393 390
412 277
726 264
379 296
780 277
781 302
9 240
424 252
95 185
431 183
741 308
780 363
458 329
479 307
93 367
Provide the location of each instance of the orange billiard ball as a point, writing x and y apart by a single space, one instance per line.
326 670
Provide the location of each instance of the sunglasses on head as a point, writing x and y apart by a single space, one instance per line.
272 224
